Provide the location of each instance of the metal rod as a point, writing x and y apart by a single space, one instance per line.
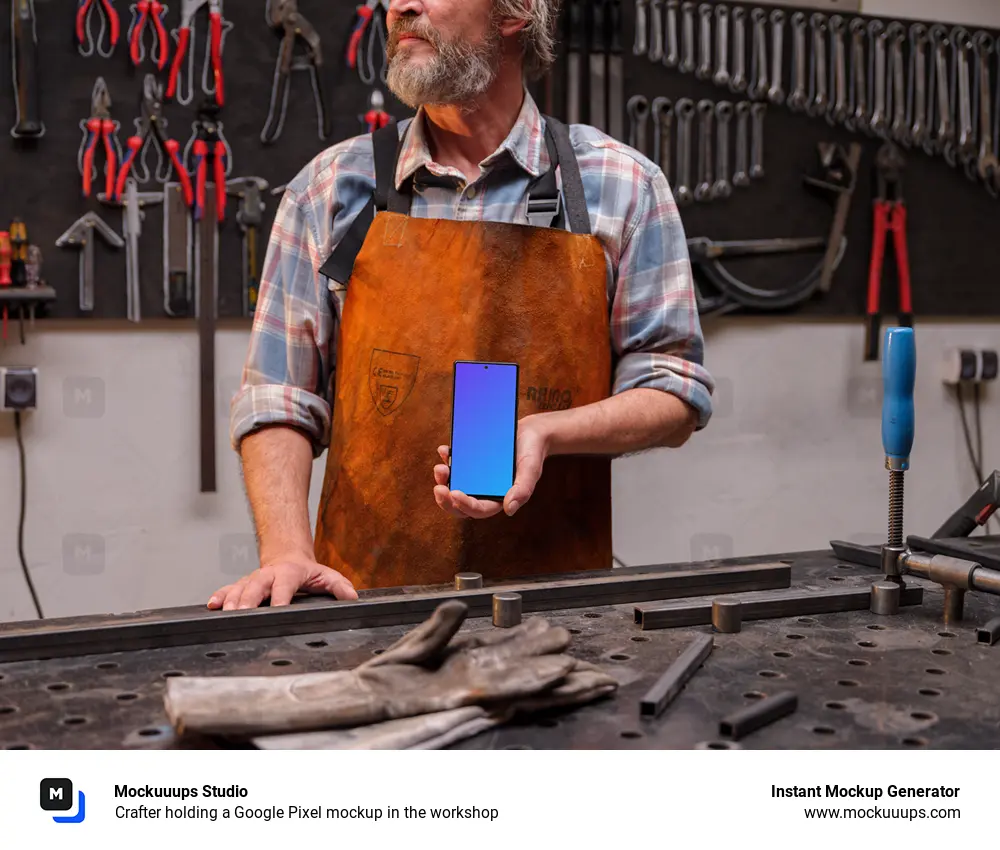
760 714
990 633
74 636
956 548
468 581
727 615
672 682
885 598
506 610
766 606
954 604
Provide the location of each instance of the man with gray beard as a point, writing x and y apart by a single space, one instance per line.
478 230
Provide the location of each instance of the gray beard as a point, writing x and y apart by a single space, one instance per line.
453 75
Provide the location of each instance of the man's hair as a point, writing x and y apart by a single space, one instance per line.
538 36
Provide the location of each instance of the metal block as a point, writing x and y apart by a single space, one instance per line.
990 633
757 716
671 683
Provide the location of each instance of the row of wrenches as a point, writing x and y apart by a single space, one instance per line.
714 121
928 87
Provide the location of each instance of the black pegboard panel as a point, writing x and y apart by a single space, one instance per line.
39 181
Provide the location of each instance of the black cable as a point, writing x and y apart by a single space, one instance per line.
973 458
977 402
20 522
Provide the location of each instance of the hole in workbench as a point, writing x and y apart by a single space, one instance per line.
151 732
74 721
2 677
316 644
618 656
795 637
126 697
947 634
18 747
824 730
781 654
940 652
718 745
836 578
215 653
806 621
7 709
935 671
929 692
280 662
875 627
859 662
107 665
628 733
592 615
377 651
923 715
58 686
771 674
844 567
754 695
867 644
833 705
914 742
173 674
848 683
639 639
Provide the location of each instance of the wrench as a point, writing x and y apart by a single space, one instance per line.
993 187
839 109
938 90
671 55
987 163
820 98
721 44
638 115
704 70
741 176
641 45
738 79
662 111
964 147
722 188
757 112
776 94
758 56
918 84
797 100
859 118
687 41
655 30
684 109
896 90
706 112
878 123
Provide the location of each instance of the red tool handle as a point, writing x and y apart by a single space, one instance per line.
109 8
898 224
134 145
873 319
5 254
81 20
219 168
161 34
142 7
172 148
364 16
183 37
107 129
93 131
215 21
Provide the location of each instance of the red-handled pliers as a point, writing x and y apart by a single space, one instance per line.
209 150
142 11
890 214
184 41
360 55
83 36
376 117
99 126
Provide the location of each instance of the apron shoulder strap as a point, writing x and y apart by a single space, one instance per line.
544 200
340 264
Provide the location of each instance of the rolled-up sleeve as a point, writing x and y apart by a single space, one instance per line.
655 327
288 370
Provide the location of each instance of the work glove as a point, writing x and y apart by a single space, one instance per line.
423 673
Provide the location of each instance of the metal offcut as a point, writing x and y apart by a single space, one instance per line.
672 682
990 633
727 615
468 581
506 610
885 598
757 716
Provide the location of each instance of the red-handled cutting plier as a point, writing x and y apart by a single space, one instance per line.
890 214
151 129
85 40
185 49
376 117
371 22
142 11
99 126
209 151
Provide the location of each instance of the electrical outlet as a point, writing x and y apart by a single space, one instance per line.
18 388
987 365
960 365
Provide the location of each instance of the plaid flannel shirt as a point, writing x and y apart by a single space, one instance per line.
656 335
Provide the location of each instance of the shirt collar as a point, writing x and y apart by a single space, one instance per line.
524 145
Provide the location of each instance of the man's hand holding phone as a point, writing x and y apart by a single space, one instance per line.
532 449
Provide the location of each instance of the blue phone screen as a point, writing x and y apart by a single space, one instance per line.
483 428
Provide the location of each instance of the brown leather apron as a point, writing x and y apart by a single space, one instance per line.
424 293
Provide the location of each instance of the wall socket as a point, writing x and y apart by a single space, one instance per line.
969 365
18 388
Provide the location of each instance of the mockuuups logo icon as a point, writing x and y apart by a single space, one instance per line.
56 795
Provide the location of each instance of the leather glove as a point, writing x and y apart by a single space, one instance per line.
419 674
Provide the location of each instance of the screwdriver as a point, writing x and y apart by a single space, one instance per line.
899 363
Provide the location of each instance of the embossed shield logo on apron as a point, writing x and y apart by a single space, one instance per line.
391 378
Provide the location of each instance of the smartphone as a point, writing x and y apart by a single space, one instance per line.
483 428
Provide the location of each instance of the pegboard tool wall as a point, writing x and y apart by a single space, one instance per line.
952 222
40 183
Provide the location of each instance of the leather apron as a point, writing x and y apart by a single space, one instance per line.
422 294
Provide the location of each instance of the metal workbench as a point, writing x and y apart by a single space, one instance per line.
863 681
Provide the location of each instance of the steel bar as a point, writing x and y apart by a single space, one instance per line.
672 682
193 625
757 716
956 548
766 606
990 633
855 553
